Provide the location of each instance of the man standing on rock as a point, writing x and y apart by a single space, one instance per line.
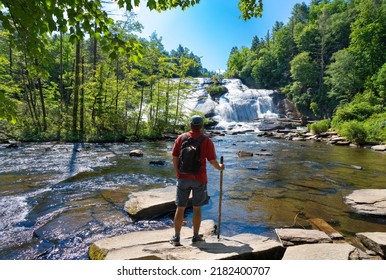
194 182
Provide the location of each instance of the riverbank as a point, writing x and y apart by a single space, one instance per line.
297 130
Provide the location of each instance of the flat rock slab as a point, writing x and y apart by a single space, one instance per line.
321 251
368 201
295 236
375 241
152 203
155 245
379 148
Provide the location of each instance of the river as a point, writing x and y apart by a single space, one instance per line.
57 199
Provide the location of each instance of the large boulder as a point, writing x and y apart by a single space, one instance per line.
368 201
155 245
152 203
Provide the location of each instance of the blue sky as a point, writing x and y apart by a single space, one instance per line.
211 28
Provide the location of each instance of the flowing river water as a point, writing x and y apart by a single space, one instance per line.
57 199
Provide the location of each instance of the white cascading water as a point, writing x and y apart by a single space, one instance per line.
237 108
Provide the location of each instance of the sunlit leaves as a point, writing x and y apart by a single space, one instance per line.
8 108
250 8
304 69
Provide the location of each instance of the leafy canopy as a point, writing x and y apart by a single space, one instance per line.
30 22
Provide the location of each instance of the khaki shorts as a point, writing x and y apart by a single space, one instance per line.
185 186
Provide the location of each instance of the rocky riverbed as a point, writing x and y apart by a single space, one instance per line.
57 199
321 243
292 130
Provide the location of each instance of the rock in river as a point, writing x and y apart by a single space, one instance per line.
375 241
152 203
368 201
154 245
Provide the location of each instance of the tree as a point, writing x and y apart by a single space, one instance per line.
368 36
25 19
255 43
283 50
264 68
300 13
31 23
237 60
343 78
250 8
304 70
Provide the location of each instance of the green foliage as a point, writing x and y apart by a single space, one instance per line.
314 108
378 84
368 35
7 108
250 8
117 99
354 131
304 70
362 120
375 127
215 91
320 126
360 109
343 76
329 60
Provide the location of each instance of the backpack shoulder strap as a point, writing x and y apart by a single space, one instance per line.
201 138
184 137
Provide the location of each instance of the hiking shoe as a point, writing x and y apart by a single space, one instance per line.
197 238
175 241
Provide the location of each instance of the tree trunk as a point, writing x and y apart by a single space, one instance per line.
95 45
167 104
140 112
151 111
82 103
177 105
61 88
76 92
117 87
155 123
10 59
42 104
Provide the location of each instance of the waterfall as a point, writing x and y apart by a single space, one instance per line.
239 107
242 104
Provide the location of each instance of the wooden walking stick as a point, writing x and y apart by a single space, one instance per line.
220 202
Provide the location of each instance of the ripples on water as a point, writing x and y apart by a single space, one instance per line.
57 199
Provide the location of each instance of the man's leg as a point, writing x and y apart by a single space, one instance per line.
196 224
196 220
178 219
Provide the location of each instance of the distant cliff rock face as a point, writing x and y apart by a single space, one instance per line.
285 108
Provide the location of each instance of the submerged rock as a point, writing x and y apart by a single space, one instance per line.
244 154
157 162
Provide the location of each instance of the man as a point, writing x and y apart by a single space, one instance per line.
192 182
